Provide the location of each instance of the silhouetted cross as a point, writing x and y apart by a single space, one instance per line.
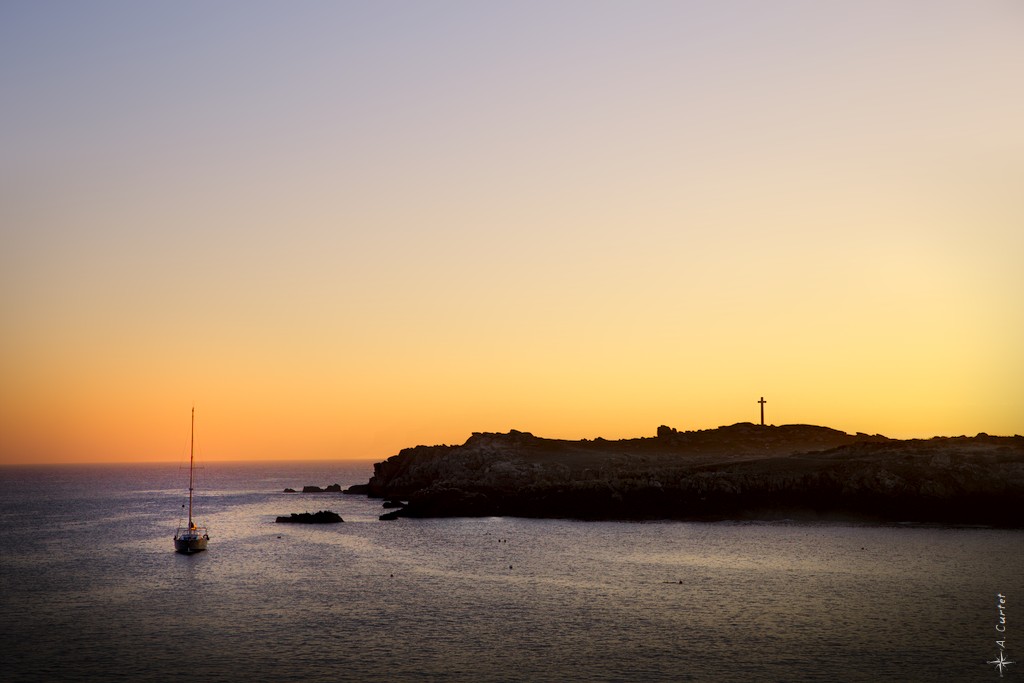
762 402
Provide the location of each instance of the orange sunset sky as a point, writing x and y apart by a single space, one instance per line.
344 228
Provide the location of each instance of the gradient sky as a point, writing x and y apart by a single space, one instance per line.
344 228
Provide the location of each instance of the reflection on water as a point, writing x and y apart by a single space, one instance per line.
90 589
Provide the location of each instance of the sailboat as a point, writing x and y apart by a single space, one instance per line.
193 538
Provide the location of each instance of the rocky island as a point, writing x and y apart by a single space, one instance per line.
333 488
742 471
321 517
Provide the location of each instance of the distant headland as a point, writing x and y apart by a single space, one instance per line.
741 471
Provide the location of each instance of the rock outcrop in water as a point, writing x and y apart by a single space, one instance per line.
743 471
321 517
333 488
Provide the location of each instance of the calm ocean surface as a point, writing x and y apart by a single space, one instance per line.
90 589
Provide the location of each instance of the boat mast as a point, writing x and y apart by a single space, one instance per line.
191 455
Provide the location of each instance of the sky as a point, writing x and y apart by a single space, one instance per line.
340 229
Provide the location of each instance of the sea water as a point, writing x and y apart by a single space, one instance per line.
90 589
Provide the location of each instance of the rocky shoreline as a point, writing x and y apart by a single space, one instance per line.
742 471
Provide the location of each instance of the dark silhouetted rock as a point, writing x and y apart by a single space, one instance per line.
333 488
289 490
321 517
665 432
